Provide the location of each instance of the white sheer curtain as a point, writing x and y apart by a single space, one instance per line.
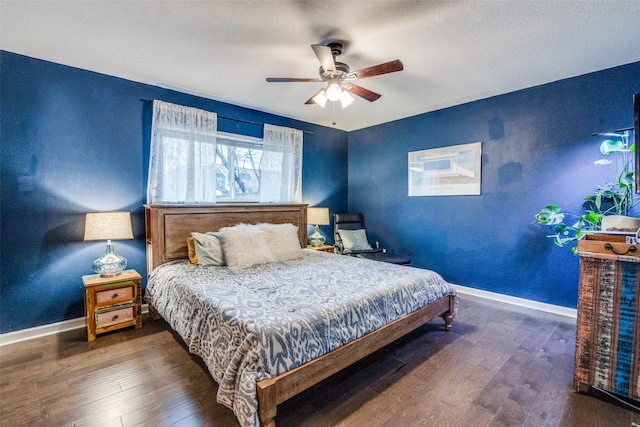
182 163
281 165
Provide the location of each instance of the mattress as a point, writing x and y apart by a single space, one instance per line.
253 324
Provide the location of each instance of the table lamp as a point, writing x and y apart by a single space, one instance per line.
108 226
317 217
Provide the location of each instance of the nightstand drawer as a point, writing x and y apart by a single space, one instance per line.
108 318
115 296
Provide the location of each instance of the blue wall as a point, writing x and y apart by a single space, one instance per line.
74 141
538 149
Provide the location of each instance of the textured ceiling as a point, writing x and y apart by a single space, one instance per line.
453 52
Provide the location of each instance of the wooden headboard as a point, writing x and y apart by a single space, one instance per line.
168 226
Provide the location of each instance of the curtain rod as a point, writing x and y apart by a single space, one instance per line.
252 122
235 118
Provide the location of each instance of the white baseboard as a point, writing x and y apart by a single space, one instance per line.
536 305
50 329
79 323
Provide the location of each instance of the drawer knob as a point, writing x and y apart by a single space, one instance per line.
114 296
115 317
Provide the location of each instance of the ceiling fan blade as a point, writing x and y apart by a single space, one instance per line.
363 93
376 70
287 79
324 56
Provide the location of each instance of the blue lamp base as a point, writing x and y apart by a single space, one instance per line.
316 239
110 264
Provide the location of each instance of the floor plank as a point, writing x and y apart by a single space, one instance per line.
499 366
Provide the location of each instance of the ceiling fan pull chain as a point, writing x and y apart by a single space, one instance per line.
334 113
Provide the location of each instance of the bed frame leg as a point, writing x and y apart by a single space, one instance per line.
267 404
448 318
154 313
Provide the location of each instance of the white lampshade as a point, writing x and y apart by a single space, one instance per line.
333 93
318 216
108 226
321 98
346 99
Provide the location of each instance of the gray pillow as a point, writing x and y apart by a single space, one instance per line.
208 249
354 240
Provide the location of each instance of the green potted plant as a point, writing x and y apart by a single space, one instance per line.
611 198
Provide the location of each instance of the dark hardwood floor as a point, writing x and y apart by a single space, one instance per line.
499 366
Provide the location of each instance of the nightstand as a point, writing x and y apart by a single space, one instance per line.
112 302
323 248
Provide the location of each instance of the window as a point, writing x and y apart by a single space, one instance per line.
182 161
191 162
238 168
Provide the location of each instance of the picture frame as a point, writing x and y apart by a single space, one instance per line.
447 171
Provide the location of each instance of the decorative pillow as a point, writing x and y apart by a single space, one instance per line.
245 245
191 249
354 240
282 240
208 249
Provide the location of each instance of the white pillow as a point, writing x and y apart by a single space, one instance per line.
208 248
282 240
245 245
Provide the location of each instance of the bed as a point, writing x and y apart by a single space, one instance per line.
308 330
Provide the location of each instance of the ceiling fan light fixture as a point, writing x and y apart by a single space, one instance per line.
339 78
333 92
346 99
320 98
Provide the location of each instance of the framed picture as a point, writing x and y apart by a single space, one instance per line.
446 171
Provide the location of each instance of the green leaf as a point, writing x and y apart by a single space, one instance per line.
610 146
592 217
627 179
560 228
632 148
549 216
557 241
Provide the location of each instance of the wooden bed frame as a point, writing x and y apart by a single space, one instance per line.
167 229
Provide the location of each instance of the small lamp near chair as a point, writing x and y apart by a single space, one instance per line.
317 217
108 226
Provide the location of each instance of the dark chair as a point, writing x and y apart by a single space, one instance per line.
359 245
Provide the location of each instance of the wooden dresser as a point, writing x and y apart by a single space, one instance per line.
608 326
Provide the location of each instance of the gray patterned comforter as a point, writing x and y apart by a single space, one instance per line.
252 324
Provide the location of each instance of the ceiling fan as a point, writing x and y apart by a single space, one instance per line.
339 78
